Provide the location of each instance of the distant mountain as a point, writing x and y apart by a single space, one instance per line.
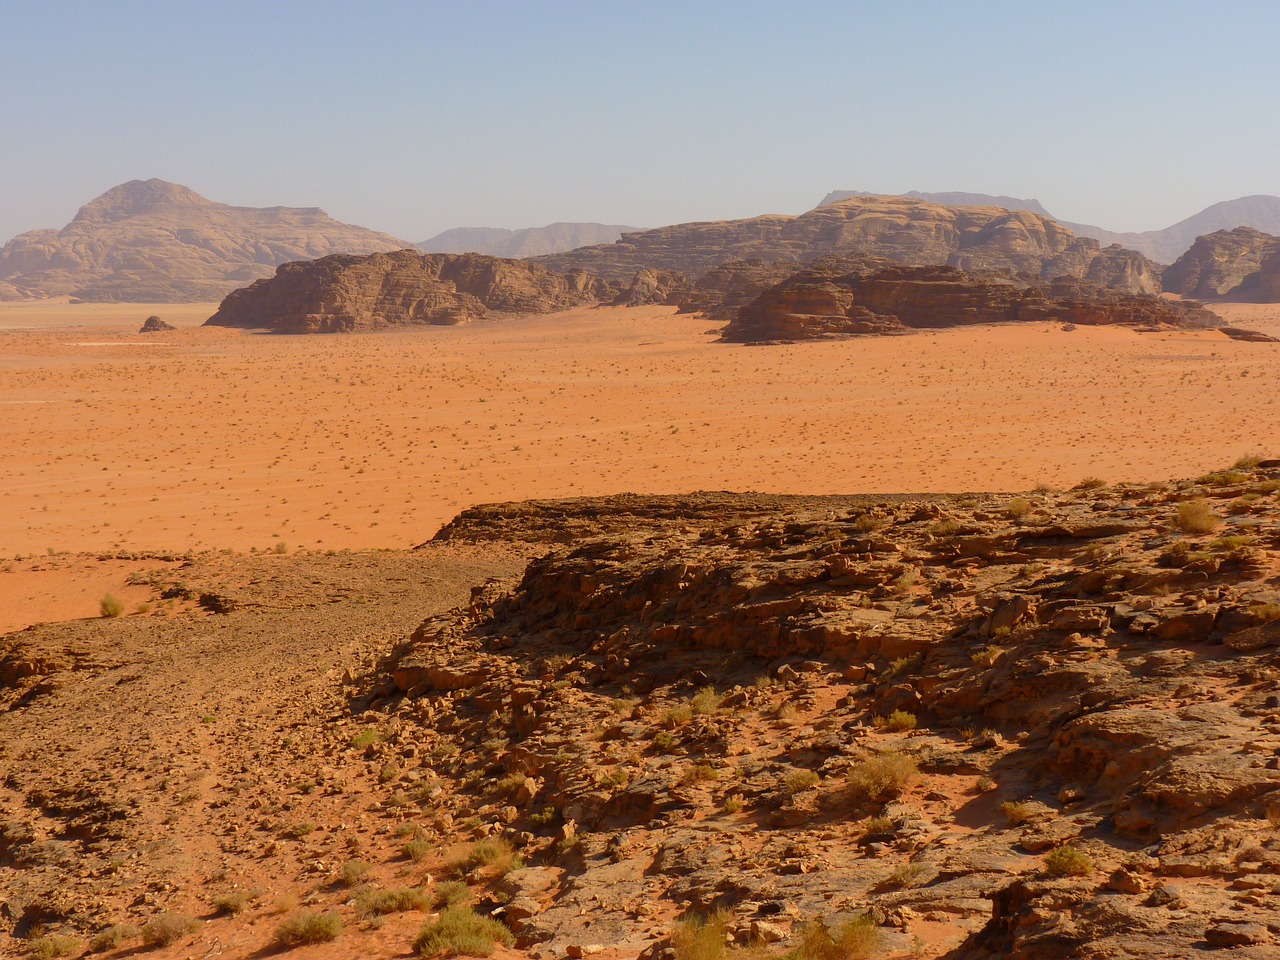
529 242
1261 212
154 241
908 231
952 198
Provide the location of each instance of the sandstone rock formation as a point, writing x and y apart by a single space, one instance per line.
152 241
1260 212
1224 265
906 231
155 325
340 294
825 302
529 242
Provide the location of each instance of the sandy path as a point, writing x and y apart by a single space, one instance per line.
110 440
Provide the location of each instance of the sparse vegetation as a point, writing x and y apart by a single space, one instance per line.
1017 812
165 928
234 902
352 872
377 902
461 931
1018 508
451 893
111 606
1090 483
1194 516
113 937
493 854
417 850
700 938
52 945
897 722
308 927
1068 861
882 776
855 939
797 781
904 876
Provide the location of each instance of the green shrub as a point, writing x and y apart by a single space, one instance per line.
705 701
165 928
461 931
417 850
495 855
307 927
111 606
1068 861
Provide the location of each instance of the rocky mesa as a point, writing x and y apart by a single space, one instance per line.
1240 264
827 301
154 241
903 230
342 294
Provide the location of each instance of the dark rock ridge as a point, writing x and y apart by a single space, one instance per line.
343 293
1261 212
824 302
1239 264
152 241
911 232
155 325
529 242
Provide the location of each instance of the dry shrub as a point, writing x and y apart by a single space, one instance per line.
700 938
855 939
1194 516
461 931
165 928
882 777
1068 861
307 927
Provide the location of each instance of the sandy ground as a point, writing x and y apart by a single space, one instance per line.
203 438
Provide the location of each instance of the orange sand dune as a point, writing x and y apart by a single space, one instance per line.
203 438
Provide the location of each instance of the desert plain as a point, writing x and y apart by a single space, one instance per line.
114 442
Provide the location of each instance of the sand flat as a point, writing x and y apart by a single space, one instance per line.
221 438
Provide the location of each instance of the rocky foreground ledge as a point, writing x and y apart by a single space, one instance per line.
1042 726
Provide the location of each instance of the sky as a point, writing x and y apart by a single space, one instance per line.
415 117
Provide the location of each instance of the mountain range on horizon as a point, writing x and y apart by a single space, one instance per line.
1260 212
158 241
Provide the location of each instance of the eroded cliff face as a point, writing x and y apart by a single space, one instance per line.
912 232
153 241
343 294
821 302
1226 264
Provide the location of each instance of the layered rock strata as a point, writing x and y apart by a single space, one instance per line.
342 294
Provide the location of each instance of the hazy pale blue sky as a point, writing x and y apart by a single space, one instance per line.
416 117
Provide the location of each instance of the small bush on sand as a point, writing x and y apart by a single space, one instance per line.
378 902
234 902
114 937
165 928
797 781
896 722
1194 516
855 939
307 927
1068 861
461 931
1018 508
700 938
451 893
882 777
352 872
495 855
52 945
111 606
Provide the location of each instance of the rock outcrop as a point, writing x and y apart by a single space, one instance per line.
1223 265
911 232
341 294
1038 726
529 242
152 241
821 302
